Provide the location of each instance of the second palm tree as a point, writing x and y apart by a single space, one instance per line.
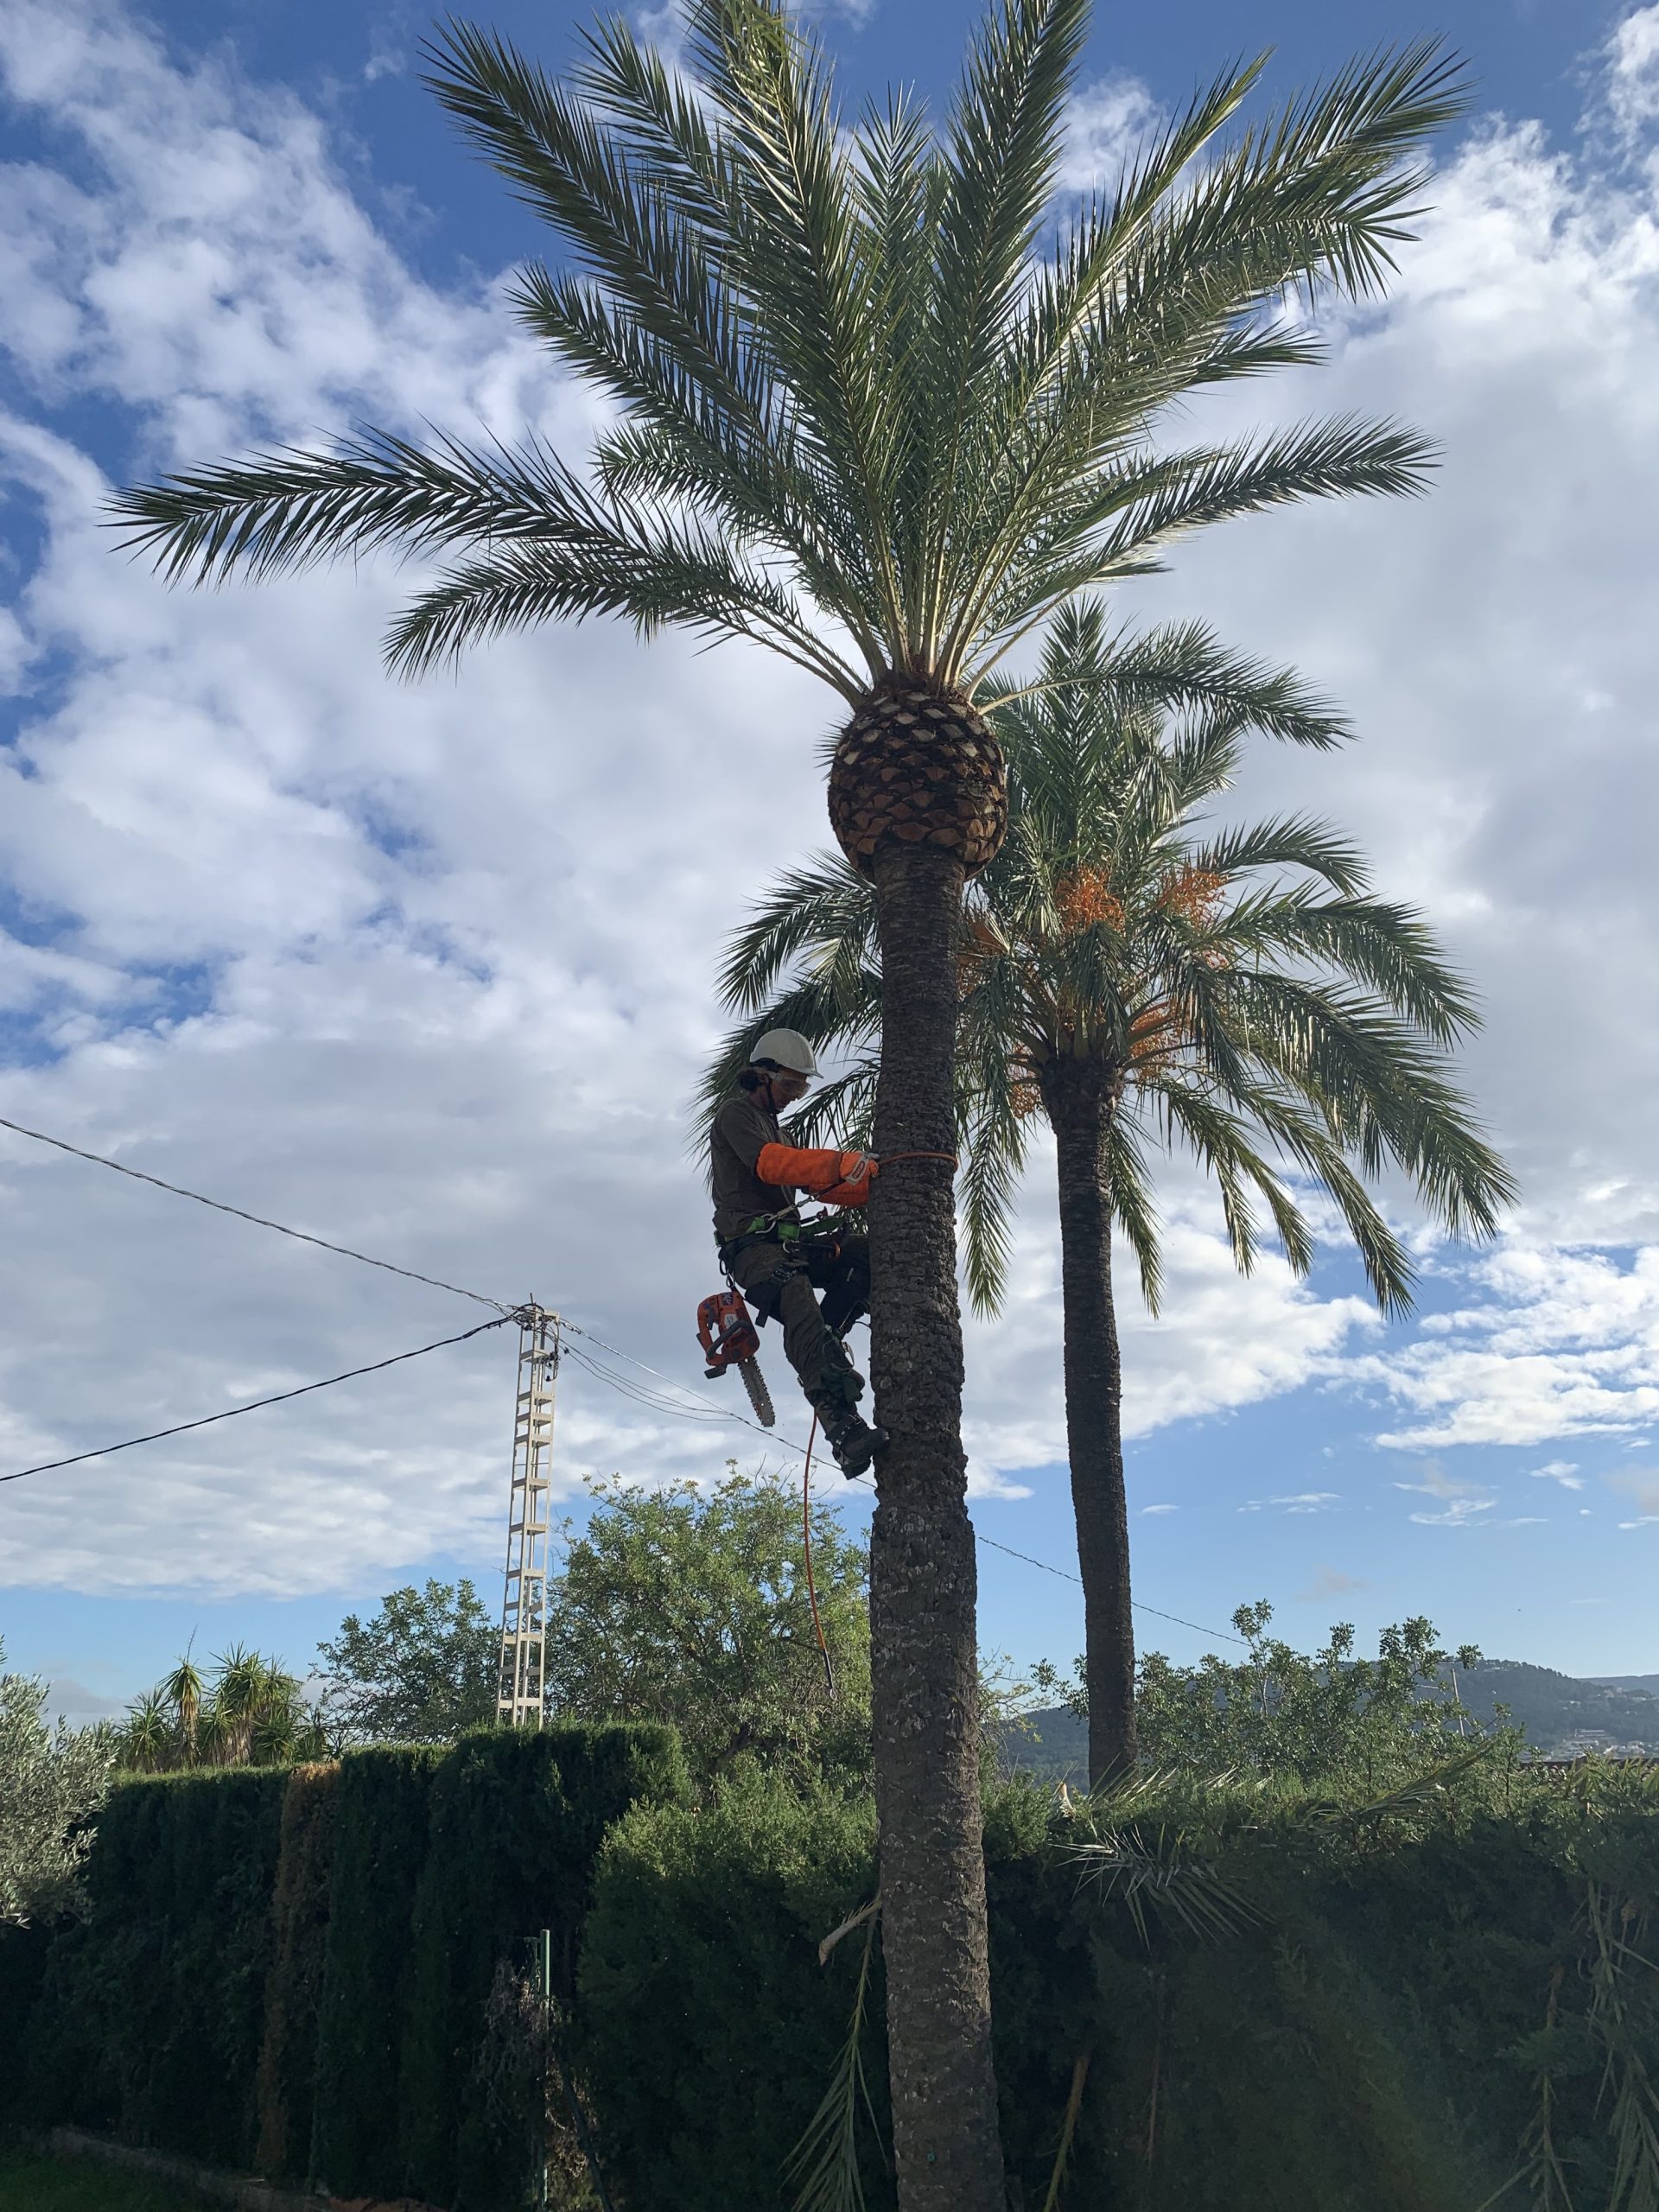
1132 981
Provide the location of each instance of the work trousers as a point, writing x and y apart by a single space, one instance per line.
811 1346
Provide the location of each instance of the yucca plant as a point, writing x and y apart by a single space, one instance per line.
183 1690
147 1740
1143 983
882 405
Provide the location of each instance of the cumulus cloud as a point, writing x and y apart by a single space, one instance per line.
426 970
1561 1344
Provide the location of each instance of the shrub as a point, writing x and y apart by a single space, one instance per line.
299 1918
708 2031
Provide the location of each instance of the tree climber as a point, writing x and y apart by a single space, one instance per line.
755 1178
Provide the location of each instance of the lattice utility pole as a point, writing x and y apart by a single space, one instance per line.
523 1608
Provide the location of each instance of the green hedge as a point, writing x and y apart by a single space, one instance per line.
299 1929
379 1849
708 2031
517 1820
1308 2010
149 2015
1267 2000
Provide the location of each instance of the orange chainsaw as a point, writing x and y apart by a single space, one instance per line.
728 1339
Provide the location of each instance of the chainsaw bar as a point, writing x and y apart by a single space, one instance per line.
759 1397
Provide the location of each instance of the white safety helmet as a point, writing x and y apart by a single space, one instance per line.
788 1048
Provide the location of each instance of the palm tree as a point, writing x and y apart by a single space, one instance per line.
881 407
1138 985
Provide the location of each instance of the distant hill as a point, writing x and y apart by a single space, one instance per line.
1562 1715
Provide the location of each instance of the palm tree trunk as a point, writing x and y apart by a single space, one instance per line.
923 1578
1081 1097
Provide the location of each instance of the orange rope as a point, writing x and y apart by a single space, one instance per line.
806 1533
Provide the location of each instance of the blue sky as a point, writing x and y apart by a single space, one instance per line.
428 971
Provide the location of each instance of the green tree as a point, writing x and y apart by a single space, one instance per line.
1326 1718
52 1782
691 1607
420 1671
1138 985
881 407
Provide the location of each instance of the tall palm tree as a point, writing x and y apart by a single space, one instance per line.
1138 984
882 405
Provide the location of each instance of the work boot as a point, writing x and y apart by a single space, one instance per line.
852 1439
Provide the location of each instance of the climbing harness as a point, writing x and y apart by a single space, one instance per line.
727 1333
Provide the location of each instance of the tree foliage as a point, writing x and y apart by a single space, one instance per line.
246 1711
1325 1717
1250 1000
691 1606
51 1782
422 1671
882 400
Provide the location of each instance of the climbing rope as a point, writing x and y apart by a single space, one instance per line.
806 1534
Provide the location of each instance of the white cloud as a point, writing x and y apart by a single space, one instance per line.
1564 1472
427 968
1108 124
1159 1509
1460 1514
1564 1344
1632 90
1306 1501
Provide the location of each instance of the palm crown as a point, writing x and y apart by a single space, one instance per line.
853 379
1238 992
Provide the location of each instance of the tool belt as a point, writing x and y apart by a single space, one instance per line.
795 1240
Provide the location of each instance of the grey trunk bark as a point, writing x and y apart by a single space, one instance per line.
1081 1097
923 1579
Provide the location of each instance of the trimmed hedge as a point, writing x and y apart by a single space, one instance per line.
706 2028
149 2017
379 1849
516 1819
293 1971
1267 2000
1363 2028
299 1922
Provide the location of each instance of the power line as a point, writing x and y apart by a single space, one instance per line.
254 1405
702 1409
661 1404
301 1235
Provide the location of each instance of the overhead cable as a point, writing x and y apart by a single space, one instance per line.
255 1404
701 1408
799 1449
301 1235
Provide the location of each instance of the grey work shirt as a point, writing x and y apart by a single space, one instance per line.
743 1126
